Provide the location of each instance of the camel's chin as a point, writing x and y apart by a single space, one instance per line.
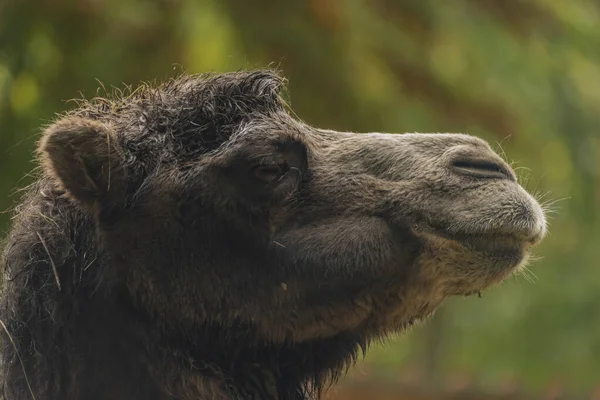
497 265
469 264
499 256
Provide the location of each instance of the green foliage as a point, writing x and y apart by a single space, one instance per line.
523 74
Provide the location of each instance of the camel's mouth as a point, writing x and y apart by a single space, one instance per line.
510 247
511 235
475 259
507 237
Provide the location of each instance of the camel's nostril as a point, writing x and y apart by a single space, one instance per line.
482 168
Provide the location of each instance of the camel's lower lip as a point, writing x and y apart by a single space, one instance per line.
492 240
502 249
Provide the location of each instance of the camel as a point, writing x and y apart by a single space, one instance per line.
195 240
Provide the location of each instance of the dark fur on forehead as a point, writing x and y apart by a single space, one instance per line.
188 115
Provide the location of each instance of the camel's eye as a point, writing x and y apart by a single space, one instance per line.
270 173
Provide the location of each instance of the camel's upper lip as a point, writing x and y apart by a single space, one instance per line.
527 235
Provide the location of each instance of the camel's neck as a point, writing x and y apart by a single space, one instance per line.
122 356
230 368
207 381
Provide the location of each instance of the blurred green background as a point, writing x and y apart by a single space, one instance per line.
523 74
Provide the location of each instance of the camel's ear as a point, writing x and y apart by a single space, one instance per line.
83 157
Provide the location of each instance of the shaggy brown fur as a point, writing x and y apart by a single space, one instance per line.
194 241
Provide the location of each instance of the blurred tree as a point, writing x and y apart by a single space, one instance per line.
522 73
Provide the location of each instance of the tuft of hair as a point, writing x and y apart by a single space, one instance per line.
83 152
